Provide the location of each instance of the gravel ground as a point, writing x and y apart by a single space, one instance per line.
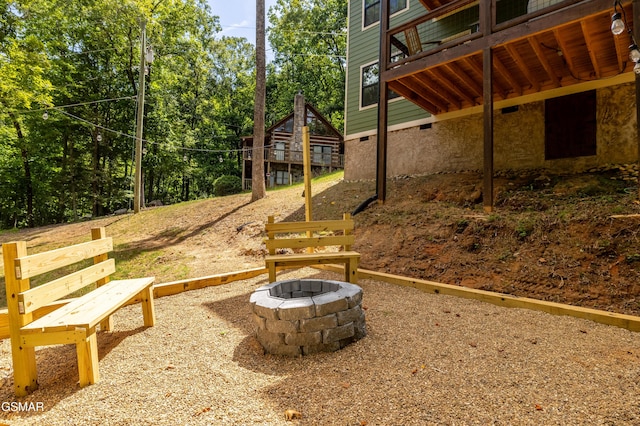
427 359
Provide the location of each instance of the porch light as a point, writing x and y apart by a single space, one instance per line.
617 25
634 53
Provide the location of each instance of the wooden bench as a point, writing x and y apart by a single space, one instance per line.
38 316
310 235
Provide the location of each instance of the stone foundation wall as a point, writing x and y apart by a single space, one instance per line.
302 317
519 142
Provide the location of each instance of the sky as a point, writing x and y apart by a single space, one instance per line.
238 17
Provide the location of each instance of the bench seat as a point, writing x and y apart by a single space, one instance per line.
91 309
32 320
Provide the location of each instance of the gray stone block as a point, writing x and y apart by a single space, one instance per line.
352 293
279 326
314 349
259 321
314 286
350 315
258 295
285 286
270 341
295 309
329 286
287 350
318 323
336 334
329 303
267 306
303 339
297 294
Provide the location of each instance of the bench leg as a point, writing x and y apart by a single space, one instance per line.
107 324
87 352
148 309
272 272
25 374
351 271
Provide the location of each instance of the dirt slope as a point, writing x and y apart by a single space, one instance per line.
550 237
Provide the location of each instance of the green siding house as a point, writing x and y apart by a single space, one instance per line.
562 83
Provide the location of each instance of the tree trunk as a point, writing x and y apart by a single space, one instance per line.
258 189
28 184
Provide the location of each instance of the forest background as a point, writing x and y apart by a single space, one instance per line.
68 87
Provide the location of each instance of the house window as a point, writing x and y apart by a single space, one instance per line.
369 78
279 151
369 85
282 177
321 154
570 126
372 10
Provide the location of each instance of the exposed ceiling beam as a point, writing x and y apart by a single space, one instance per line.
537 48
589 42
507 75
523 67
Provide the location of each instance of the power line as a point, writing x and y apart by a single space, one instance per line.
59 107
178 148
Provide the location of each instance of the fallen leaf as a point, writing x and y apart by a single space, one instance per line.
346 385
473 344
415 371
292 414
538 407
170 367
364 423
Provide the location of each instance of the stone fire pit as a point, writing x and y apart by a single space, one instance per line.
305 316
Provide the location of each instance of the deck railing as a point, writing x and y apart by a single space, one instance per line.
459 22
285 155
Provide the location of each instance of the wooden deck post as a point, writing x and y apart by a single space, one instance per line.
486 24
636 36
383 107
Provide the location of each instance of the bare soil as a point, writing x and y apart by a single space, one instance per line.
570 239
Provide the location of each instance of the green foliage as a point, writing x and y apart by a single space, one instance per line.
309 41
227 185
84 56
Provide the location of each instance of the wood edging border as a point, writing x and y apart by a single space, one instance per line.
629 322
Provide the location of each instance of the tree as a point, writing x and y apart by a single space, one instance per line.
309 42
258 189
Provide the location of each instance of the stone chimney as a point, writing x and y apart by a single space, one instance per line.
298 124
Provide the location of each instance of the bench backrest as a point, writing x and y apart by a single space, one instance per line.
318 233
20 267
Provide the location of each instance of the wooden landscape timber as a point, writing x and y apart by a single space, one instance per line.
628 322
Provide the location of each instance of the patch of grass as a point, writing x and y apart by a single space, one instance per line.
524 228
461 226
632 258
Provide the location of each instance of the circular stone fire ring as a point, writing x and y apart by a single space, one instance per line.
305 316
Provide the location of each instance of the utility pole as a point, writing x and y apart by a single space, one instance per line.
137 196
